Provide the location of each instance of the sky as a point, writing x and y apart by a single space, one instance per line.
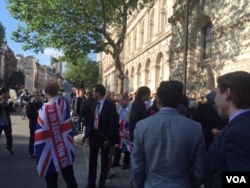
11 24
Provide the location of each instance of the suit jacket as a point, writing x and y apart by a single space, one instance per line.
32 113
76 104
138 112
85 111
6 109
169 152
209 119
230 151
108 123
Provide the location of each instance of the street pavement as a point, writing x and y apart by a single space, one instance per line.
19 171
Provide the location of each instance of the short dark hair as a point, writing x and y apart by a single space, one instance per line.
170 93
238 83
101 89
142 91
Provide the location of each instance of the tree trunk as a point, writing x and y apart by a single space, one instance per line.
120 85
120 73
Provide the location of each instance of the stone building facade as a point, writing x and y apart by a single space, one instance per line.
218 35
8 65
35 74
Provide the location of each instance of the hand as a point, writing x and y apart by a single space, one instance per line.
106 144
215 132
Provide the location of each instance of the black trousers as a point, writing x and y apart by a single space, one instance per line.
117 156
8 133
94 146
32 140
68 176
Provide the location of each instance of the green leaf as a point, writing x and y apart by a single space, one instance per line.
75 27
84 71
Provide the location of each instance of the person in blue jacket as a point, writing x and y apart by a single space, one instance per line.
230 151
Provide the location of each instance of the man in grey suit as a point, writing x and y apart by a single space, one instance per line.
169 149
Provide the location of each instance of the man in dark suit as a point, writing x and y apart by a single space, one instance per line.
138 110
76 107
5 120
32 113
230 151
207 115
102 132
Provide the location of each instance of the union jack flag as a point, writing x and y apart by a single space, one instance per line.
54 149
124 142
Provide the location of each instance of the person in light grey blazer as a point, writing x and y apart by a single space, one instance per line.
169 149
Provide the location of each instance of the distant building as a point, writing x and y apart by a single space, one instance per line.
55 65
35 74
8 65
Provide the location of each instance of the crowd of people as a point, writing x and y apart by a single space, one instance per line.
173 140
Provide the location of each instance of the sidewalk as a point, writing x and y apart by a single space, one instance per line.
20 170
120 180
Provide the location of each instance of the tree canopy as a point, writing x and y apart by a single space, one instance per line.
75 27
83 74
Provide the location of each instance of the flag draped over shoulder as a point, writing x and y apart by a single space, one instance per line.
124 142
54 147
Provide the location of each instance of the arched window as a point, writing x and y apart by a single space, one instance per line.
207 45
132 83
158 69
126 81
147 73
139 79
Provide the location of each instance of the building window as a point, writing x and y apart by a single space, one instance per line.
139 80
147 73
142 33
207 41
135 37
151 24
129 45
163 17
132 84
